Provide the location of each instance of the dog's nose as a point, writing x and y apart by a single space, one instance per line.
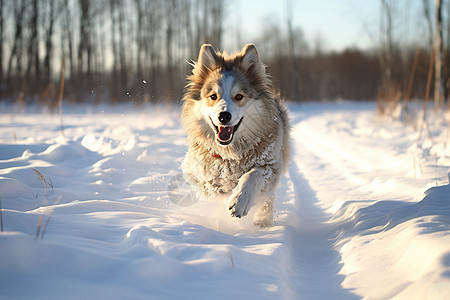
224 117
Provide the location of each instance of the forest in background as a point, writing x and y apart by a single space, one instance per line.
138 50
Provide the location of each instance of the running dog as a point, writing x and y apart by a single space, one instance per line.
238 131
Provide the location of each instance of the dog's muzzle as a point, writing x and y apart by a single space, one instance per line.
225 133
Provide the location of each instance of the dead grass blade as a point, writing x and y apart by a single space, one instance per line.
42 178
39 226
50 183
231 258
49 216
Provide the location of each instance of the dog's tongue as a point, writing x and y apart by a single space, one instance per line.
225 133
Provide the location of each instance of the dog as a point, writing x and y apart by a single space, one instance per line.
238 131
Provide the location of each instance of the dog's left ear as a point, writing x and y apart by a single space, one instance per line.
250 58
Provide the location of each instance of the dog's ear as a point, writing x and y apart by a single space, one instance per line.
250 59
207 58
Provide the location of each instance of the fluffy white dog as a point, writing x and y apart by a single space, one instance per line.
238 131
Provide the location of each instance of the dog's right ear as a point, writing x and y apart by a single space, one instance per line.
207 59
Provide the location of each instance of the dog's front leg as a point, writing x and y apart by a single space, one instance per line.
243 195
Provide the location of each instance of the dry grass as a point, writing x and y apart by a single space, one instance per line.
388 99
41 177
39 226
231 258
425 100
49 217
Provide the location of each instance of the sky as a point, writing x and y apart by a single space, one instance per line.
339 24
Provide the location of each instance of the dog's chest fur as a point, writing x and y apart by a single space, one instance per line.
216 175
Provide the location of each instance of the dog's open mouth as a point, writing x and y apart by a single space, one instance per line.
225 133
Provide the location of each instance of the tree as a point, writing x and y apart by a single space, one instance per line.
33 43
84 46
2 26
48 39
68 36
386 54
438 53
295 78
16 50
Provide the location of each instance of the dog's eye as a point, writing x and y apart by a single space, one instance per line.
213 97
238 97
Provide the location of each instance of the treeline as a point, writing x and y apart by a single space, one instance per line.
113 50
138 50
395 71
351 74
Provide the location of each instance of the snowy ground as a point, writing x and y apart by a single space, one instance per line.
364 211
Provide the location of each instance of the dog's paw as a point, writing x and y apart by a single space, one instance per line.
239 203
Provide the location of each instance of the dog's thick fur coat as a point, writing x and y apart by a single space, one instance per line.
237 129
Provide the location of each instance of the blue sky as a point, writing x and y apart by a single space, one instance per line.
339 23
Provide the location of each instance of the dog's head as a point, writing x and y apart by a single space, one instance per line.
225 89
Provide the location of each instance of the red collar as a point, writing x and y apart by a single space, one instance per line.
214 154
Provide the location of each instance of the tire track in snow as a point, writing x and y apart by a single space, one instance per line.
328 168
372 173
314 263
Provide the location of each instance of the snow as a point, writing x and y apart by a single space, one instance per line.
363 211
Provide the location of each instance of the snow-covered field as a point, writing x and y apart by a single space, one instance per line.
364 211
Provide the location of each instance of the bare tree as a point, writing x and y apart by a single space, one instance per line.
68 36
140 37
386 56
447 56
155 36
16 50
150 38
171 17
438 53
2 26
122 43
48 39
389 94
295 78
427 14
216 21
33 42
84 46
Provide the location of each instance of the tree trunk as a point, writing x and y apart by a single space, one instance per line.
387 57
33 45
122 45
438 51
69 37
2 25
295 78
139 38
48 40
386 98
16 51
83 47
